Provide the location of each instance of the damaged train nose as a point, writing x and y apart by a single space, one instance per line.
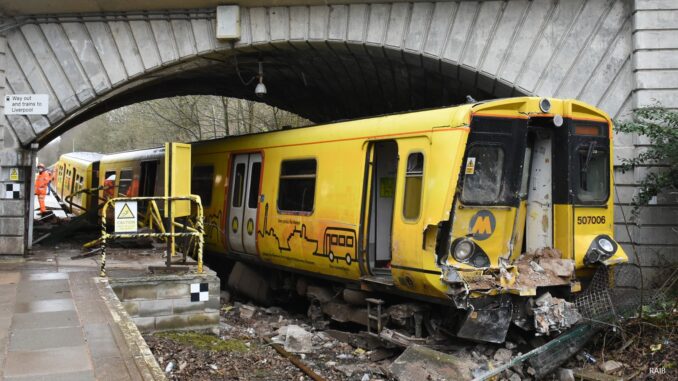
493 298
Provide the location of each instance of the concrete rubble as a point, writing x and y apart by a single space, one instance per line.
610 366
554 314
338 354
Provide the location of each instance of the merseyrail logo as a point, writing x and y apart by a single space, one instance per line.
482 225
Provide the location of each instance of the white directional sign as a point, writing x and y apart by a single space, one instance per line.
126 217
26 104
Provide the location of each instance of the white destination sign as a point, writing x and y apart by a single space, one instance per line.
26 104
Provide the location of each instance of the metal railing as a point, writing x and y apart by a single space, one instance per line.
193 229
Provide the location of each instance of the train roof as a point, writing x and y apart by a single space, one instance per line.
135 155
85 157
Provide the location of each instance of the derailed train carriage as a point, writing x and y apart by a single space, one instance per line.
429 211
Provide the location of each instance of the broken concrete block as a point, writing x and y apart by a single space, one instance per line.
421 363
535 266
565 374
502 355
298 340
246 312
559 267
554 314
610 366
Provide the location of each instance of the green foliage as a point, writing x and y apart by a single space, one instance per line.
660 125
205 342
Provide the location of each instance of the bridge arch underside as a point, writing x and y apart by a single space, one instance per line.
321 83
324 62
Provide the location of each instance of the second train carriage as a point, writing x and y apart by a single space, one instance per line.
434 205
74 173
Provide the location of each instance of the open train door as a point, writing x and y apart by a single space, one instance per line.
177 183
243 202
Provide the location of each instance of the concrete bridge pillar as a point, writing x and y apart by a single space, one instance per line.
15 174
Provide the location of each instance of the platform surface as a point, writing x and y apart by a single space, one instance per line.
57 323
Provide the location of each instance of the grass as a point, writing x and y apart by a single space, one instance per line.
205 341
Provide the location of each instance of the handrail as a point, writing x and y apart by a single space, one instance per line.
91 191
197 231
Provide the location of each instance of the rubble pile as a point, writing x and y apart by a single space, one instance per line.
554 314
242 352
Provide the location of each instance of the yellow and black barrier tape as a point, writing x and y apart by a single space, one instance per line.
197 231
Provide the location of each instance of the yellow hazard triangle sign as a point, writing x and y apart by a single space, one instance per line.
125 212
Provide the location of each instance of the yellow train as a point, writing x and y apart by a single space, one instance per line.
73 174
433 208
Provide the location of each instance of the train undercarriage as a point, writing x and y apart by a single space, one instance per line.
531 295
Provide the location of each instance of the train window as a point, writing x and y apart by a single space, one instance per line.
125 181
296 190
483 174
253 196
413 182
238 184
594 178
349 241
201 183
109 184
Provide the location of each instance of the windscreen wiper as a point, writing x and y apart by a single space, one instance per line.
592 144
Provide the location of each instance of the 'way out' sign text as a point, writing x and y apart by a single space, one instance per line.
26 104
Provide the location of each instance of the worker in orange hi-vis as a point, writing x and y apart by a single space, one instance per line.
42 185
133 190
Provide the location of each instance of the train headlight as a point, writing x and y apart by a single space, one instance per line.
602 248
463 250
606 245
544 105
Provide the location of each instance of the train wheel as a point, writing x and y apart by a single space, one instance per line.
348 259
331 256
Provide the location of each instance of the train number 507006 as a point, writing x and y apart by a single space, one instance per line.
590 220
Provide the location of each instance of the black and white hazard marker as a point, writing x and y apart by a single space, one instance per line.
13 191
200 292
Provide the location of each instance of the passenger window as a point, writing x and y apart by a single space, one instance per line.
594 175
483 174
413 183
253 196
125 181
201 183
238 183
296 190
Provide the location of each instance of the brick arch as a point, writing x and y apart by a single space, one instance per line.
382 57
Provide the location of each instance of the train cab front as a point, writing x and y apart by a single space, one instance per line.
532 216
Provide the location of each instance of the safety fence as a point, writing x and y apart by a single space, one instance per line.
189 230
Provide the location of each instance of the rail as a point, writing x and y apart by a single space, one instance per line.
197 231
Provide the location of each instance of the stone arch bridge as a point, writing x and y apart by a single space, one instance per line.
327 61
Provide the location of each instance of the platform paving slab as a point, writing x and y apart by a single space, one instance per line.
59 321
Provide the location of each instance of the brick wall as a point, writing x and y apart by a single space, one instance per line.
164 303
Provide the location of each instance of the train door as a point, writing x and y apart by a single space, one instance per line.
539 215
244 183
381 202
149 170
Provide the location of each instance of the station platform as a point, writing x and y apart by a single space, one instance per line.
60 321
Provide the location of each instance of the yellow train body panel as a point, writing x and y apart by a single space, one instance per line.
433 201
316 240
73 173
